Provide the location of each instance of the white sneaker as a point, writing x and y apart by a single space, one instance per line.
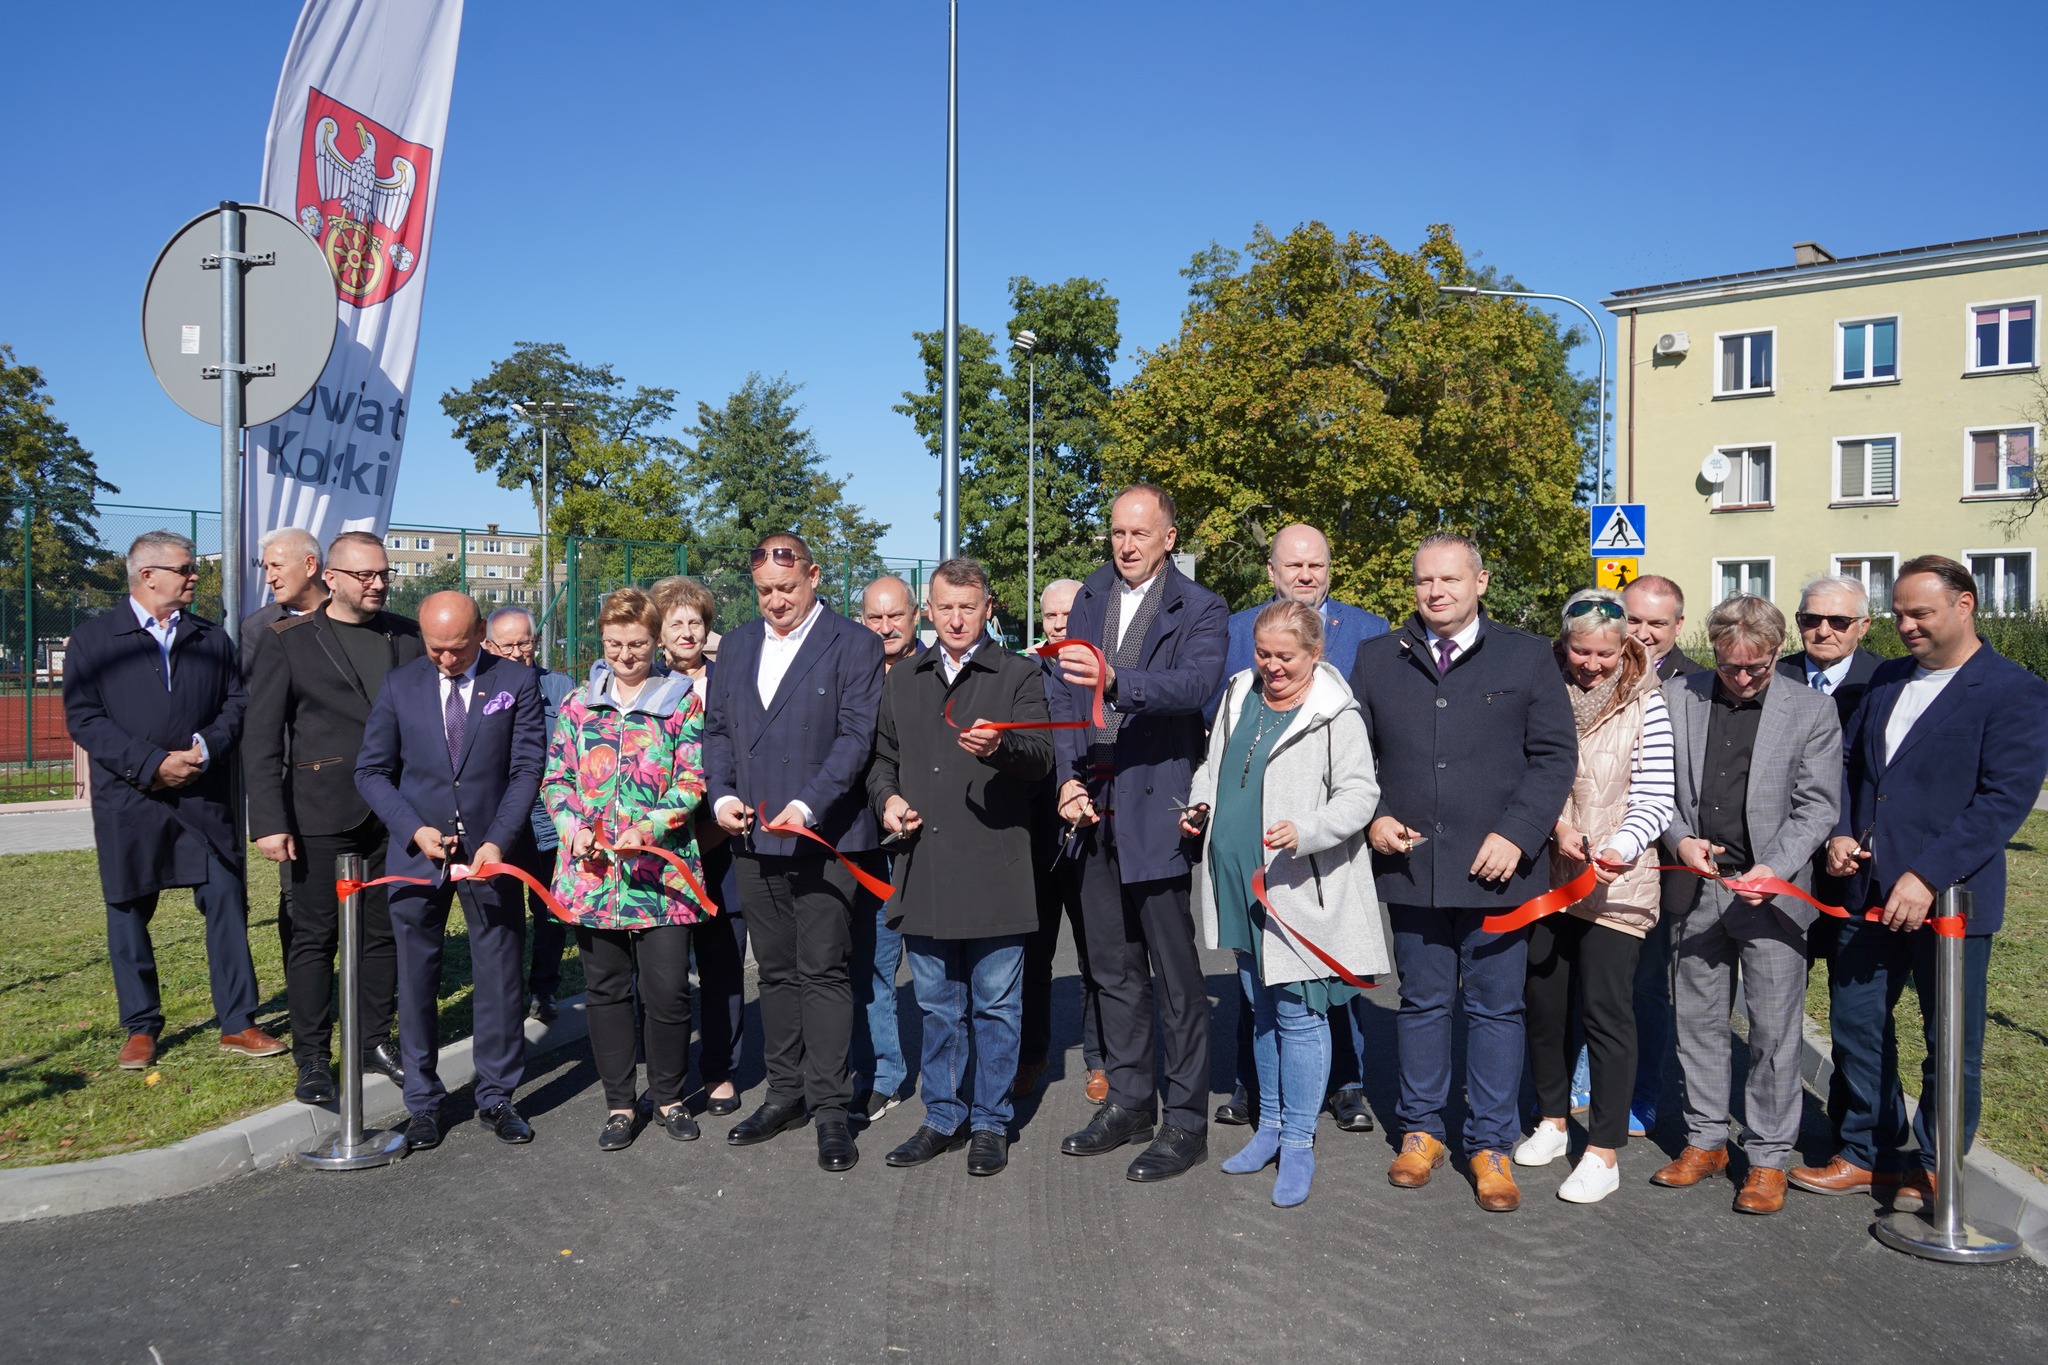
1543 1146
1591 1181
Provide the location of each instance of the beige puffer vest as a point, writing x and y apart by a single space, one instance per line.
1599 802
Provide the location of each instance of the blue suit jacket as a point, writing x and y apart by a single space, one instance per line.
1957 790
812 741
403 770
1345 628
1161 744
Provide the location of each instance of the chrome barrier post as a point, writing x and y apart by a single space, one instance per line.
1941 1233
349 1148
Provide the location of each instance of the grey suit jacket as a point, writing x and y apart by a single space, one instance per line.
1795 781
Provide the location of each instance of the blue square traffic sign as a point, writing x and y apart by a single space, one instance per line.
1618 529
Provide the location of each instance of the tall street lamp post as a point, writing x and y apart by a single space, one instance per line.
1472 291
1027 342
544 415
949 474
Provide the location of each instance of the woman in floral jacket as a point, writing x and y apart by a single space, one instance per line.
626 766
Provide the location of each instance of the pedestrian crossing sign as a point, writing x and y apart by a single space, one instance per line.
1618 529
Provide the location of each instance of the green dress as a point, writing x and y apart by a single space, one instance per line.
1237 844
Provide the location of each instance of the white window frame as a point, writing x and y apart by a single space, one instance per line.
1835 567
494 547
394 542
1769 388
494 571
1770 563
423 542
1970 490
1729 449
519 547
1842 325
1835 471
1970 310
2006 551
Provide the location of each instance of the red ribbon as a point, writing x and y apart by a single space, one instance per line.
344 887
876 887
1052 648
1013 724
1549 903
1344 973
673 860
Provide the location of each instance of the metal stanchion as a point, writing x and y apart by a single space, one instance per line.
1940 1233
350 1148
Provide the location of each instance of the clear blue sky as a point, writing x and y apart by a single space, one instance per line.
693 191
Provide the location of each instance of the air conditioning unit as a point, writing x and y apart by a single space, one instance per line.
1673 344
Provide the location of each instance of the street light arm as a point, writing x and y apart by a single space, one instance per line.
1600 334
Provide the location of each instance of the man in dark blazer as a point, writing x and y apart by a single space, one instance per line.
153 694
789 729
1946 755
1473 736
450 762
1656 618
312 681
960 794
1163 639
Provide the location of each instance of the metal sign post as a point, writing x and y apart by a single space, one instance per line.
350 1148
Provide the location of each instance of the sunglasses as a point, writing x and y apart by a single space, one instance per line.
1745 670
181 570
785 555
367 576
1600 605
1809 620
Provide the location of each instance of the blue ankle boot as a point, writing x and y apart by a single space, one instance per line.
1256 1155
1297 1169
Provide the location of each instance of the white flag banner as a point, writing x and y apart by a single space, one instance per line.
354 154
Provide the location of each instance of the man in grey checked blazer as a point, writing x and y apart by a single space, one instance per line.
1759 785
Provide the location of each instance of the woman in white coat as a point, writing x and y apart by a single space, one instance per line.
1288 785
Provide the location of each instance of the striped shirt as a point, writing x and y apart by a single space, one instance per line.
1651 784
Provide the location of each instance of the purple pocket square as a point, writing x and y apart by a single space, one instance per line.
497 703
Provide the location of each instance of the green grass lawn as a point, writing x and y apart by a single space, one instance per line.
62 1098
2015 1122
40 782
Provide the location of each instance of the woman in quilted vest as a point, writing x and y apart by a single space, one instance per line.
1582 963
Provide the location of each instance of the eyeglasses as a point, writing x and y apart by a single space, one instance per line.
1745 670
1809 620
367 576
1611 610
512 646
181 570
786 555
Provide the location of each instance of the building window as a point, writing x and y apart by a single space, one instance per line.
1875 573
2005 581
1745 362
2001 461
394 542
1870 351
1867 469
494 571
423 542
2001 335
517 547
1749 478
494 547
401 568
1736 576
473 571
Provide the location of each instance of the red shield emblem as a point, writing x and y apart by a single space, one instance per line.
363 198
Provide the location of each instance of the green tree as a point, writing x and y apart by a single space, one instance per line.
1075 323
1323 379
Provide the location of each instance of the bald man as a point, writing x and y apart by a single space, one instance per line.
888 609
881 1071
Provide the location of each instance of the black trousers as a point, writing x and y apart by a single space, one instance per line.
1567 956
284 913
800 913
548 936
661 959
223 902
1141 947
1058 896
721 948
309 973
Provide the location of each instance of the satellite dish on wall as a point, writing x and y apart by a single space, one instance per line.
1715 468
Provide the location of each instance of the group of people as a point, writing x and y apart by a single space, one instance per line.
1583 843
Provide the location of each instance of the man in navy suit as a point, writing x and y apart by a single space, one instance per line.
789 730
1163 639
451 762
1944 759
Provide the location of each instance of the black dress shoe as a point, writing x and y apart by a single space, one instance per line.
1238 1111
770 1120
729 1105
836 1151
423 1130
872 1104
1348 1108
987 1154
679 1124
618 1132
1173 1152
383 1059
924 1144
1112 1126
316 1084
543 1008
502 1119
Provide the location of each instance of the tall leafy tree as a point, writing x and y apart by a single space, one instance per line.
49 481
1321 378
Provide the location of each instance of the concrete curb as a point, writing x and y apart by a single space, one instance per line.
1995 1189
248 1144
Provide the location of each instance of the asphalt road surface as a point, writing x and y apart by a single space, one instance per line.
698 1252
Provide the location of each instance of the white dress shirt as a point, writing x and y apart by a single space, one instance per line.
1830 677
164 632
1129 598
1460 642
952 669
778 651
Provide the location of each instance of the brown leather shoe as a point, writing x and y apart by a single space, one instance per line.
1691 1166
1762 1192
1098 1087
1494 1183
1420 1154
1840 1176
138 1052
1027 1080
251 1042
1915 1192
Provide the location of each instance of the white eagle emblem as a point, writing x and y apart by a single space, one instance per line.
364 197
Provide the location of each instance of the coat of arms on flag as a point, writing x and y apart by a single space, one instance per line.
363 198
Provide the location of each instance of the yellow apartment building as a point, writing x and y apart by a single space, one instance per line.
1837 416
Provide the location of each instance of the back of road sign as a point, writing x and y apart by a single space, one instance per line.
1618 529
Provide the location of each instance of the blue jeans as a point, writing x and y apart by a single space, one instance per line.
1347 1044
877 1044
1445 959
969 990
1291 1050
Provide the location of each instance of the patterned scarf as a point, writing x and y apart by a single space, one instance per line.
1590 704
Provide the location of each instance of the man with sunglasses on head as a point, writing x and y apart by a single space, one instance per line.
787 738
153 694
312 681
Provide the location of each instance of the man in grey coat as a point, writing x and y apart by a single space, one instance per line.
1759 785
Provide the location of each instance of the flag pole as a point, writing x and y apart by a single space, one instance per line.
949 476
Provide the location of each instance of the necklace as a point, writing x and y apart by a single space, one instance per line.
1259 732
